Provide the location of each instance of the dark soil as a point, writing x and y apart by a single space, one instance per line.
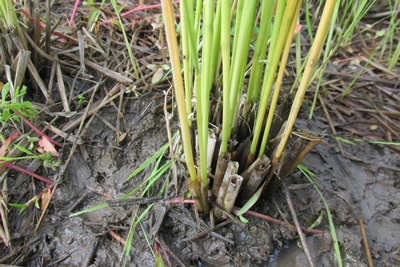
361 183
364 187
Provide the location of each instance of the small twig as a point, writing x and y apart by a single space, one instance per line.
385 125
120 115
106 72
157 247
206 231
77 202
274 220
3 235
178 200
296 222
170 141
61 89
36 130
328 117
190 222
62 258
284 217
44 54
118 238
4 230
170 252
365 241
229 215
97 192
106 122
379 165
139 8
360 78
133 201
53 190
90 255
92 109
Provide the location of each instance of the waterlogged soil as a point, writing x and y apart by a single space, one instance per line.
363 185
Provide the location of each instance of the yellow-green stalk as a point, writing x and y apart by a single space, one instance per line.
278 38
203 94
180 99
187 51
310 66
267 8
226 68
238 64
279 78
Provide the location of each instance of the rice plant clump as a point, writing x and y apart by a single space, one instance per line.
236 118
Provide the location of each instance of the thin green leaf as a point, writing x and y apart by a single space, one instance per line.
317 221
129 239
5 91
8 159
346 141
308 174
251 201
97 207
158 174
159 262
37 205
21 207
127 42
25 150
384 143
243 219
149 161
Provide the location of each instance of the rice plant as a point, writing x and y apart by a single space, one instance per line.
231 104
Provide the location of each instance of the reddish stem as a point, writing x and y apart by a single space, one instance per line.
178 200
118 238
270 219
41 178
32 200
71 20
36 130
43 25
139 8
157 247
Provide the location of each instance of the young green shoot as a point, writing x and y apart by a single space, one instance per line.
127 42
244 28
308 174
94 13
12 99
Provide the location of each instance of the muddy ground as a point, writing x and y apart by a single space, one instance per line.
358 181
365 186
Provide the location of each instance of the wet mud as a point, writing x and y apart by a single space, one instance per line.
364 184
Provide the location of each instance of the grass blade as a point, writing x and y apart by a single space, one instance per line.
308 174
127 43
